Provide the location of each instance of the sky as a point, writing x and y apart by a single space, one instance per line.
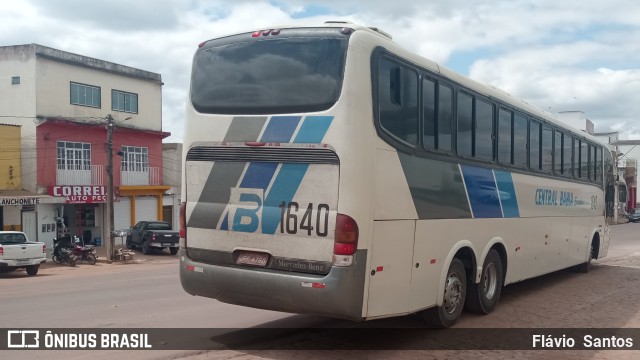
559 55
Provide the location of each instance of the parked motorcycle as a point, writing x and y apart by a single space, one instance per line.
63 251
84 253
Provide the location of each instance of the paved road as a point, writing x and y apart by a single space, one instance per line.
148 295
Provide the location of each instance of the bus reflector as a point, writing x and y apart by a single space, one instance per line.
256 33
346 240
197 269
313 285
183 221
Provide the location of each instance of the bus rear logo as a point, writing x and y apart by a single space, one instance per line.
245 211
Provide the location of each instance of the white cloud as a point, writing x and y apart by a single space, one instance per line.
561 54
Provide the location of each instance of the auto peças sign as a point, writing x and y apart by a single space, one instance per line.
80 194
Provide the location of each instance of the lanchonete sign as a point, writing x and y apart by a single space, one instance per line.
80 194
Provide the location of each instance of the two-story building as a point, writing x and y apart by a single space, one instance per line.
61 102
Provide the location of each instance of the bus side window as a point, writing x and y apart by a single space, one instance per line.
584 160
547 149
395 90
398 101
567 154
519 140
577 167
465 125
594 162
505 140
483 137
445 117
429 111
534 145
599 165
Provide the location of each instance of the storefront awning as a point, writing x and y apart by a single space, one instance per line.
23 197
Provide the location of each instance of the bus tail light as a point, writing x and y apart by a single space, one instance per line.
346 240
183 222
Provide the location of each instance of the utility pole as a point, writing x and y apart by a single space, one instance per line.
110 193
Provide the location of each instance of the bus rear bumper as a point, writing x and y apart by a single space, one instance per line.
338 294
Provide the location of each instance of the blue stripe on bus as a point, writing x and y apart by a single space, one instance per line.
507 194
259 175
225 222
313 129
482 190
280 129
288 180
284 188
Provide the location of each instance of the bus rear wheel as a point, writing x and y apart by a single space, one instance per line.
483 296
586 266
455 291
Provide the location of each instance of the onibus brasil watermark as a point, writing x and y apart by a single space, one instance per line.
70 340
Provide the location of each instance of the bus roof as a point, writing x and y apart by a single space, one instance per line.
487 90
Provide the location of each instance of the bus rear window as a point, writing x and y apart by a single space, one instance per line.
277 74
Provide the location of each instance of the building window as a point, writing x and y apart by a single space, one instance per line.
15 80
85 95
135 158
124 101
74 155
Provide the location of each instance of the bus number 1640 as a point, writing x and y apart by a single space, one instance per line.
312 219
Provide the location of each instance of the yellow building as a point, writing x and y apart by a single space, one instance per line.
10 157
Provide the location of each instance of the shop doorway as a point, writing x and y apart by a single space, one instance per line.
167 215
30 225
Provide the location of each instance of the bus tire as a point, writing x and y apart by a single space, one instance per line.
483 297
455 290
585 266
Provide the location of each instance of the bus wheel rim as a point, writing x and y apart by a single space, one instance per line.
452 293
490 281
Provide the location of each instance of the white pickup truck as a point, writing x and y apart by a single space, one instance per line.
16 251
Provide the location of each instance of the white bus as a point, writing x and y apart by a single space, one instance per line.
329 171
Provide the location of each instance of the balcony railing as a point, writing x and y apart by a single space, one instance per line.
93 176
96 175
149 177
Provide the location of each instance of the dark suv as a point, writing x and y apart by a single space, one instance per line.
634 216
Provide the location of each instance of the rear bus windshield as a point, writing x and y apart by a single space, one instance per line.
297 70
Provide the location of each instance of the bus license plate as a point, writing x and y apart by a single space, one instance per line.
252 258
